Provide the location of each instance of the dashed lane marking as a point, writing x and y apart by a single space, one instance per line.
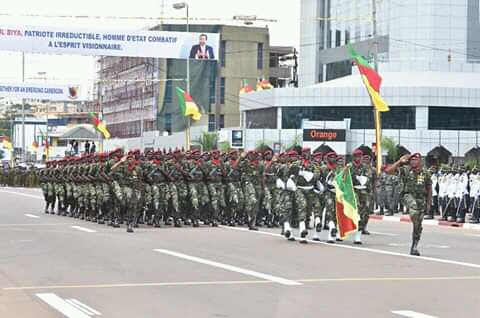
81 228
248 272
23 194
411 314
31 216
366 249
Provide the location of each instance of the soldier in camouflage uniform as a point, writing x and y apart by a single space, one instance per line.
328 174
114 171
284 203
306 199
381 193
417 192
233 193
248 165
214 175
270 192
389 180
362 179
48 188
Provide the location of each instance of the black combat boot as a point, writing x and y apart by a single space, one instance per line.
196 222
252 226
129 226
413 249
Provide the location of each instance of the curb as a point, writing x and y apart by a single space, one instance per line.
406 218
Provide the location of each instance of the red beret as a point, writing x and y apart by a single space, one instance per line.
331 154
357 152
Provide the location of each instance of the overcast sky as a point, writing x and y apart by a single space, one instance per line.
129 15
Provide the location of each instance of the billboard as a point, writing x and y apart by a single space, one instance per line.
92 42
324 135
53 92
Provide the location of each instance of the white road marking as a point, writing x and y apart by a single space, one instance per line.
382 233
31 216
397 244
62 306
81 228
87 309
275 279
426 245
371 250
436 246
411 314
391 218
475 235
24 194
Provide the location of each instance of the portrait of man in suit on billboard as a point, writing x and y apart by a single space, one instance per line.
201 50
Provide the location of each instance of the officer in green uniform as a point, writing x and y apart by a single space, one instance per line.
417 191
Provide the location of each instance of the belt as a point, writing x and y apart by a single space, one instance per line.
305 187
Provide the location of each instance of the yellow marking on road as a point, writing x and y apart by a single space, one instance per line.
385 279
240 282
122 285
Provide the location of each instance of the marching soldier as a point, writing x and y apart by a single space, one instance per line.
417 192
361 177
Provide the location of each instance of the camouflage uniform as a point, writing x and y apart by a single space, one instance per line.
249 179
214 170
362 179
417 187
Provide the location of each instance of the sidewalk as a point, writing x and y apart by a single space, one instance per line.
436 221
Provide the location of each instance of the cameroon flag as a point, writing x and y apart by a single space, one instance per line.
187 106
346 203
371 79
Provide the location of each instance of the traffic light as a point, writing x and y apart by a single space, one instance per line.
449 56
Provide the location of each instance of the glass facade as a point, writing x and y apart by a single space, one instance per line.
399 117
421 34
262 118
454 118
260 56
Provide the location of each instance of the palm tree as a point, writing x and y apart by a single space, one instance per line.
393 153
208 141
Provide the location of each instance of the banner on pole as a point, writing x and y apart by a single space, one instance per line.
53 92
139 43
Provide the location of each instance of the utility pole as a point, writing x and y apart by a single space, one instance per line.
24 153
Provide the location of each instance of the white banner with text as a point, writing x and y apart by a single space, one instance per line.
53 92
140 43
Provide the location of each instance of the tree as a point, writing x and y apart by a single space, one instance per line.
208 141
393 150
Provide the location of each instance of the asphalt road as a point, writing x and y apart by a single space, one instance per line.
54 266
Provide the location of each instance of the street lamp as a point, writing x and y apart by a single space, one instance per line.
179 6
47 144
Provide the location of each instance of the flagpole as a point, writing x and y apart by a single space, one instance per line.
376 113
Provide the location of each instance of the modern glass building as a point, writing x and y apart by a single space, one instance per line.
428 56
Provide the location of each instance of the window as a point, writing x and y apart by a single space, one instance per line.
338 38
274 59
222 121
168 122
211 122
399 117
347 37
222 90
223 46
212 90
168 92
260 56
453 118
